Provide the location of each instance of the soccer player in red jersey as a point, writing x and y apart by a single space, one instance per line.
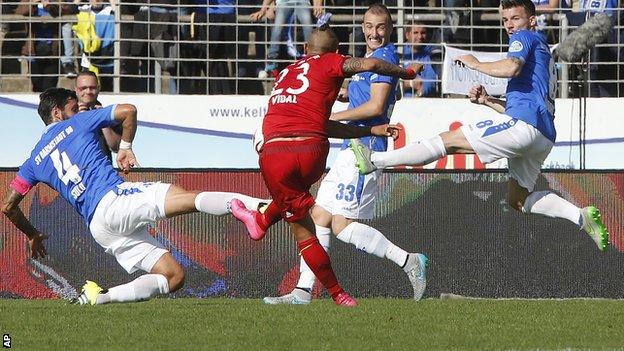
296 128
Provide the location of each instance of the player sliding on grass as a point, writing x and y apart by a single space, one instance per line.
524 132
295 131
69 159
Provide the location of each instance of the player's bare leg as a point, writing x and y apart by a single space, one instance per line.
455 142
170 269
516 195
549 204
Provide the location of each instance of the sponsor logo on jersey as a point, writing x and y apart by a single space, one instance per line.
357 78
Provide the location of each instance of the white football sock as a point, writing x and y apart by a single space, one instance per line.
548 204
306 276
420 153
218 203
142 288
372 241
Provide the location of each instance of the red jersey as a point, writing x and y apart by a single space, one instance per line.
303 96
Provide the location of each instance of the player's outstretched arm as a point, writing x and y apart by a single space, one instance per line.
127 115
509 67
347 131
10 207
354 65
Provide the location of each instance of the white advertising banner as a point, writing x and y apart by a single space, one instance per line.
177 131
457 79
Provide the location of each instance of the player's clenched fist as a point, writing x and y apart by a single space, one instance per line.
416 67
477 94
409 74
386 130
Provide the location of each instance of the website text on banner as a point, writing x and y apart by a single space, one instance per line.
215 132
457 79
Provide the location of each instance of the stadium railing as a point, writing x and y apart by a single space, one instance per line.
480 27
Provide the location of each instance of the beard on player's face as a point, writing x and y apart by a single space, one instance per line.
70 109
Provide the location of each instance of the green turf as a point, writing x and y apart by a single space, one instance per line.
377 324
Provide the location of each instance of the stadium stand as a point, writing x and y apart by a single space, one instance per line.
189 47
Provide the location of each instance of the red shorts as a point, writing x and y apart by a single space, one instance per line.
289 169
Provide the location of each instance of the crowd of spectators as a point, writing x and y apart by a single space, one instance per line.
216 46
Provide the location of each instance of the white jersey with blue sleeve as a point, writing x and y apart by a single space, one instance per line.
359 93
531 95
69 159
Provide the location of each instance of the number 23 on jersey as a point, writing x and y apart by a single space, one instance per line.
281 95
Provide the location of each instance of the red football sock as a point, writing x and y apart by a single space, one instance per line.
318 261
271 215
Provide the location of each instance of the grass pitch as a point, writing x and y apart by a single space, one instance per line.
377 324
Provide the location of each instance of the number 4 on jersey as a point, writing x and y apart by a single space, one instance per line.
67 172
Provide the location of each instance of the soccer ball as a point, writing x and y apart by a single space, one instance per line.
258 139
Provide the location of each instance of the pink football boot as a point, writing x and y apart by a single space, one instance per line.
248 217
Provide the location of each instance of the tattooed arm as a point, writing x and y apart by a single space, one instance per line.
379 92
10 207
355 65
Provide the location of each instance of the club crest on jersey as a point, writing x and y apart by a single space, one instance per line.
515 46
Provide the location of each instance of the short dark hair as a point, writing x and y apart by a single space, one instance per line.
88 73
330 45
528 5
51 98
380 9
